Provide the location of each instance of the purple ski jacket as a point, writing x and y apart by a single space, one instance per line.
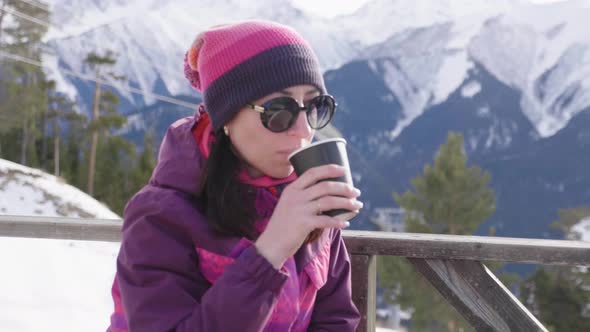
175 274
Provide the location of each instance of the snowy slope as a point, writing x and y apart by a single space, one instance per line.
30 192
52 285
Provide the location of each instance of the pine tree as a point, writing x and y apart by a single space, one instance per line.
70 151
114 173
23 84
451 198
560 295
44 118
146 162
568 218
73 169
59 109
104 109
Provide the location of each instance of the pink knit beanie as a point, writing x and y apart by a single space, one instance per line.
235 64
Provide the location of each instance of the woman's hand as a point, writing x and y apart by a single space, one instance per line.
298 212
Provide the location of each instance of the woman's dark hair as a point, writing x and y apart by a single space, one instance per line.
230 204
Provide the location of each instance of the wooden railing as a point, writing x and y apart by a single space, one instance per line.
452 264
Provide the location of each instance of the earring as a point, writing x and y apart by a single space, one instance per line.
226 131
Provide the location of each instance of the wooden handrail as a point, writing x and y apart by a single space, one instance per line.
463 247
61 228
413 245
451 263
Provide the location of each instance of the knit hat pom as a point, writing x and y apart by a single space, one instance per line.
191 75
193 52
191 63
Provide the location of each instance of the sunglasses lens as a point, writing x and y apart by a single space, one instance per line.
321 110
279 121
281 113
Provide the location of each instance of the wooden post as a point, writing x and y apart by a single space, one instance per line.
477 295
364 286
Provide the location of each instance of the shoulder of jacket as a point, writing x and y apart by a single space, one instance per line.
163 206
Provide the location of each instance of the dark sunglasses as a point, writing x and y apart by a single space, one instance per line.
279 114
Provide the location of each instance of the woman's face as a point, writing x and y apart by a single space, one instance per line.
266 152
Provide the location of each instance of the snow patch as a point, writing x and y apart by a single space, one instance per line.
483 112
54 285
561 92
134 122
583 229
506 51
451 74
62 83
412 98
28 191
498 135
471 89
387 98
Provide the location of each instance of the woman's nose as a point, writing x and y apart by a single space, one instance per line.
301 126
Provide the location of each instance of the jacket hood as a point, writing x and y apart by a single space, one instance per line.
180 162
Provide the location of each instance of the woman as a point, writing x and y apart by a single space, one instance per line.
225 237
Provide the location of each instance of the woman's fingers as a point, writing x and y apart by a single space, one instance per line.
315 174
331 222
327 203
331 188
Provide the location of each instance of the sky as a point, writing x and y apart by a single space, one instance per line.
331 8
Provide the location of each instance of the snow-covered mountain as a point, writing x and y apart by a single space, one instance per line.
540 50
378 20
423 48
31 192
152 37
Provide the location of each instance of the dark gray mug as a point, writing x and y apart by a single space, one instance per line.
330 151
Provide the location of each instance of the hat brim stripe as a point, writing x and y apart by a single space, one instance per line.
273 70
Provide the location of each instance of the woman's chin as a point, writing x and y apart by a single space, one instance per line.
282 172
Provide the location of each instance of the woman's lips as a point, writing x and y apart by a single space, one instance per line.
287 151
